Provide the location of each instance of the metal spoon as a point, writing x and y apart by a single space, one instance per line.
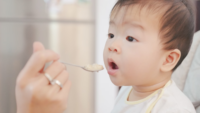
83 67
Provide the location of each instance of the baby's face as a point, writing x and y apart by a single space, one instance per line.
133 52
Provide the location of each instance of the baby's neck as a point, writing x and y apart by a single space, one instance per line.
140 92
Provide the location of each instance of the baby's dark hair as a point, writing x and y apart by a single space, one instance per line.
177 22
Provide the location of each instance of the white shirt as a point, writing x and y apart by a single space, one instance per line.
166 100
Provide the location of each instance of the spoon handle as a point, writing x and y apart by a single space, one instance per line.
71 64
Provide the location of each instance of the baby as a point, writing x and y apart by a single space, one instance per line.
147 41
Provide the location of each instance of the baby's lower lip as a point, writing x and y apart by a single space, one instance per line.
112 71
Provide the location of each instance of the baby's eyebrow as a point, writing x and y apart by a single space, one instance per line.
134 24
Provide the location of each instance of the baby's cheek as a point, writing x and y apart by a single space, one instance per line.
130 72
134 70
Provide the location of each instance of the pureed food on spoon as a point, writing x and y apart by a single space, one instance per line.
94 67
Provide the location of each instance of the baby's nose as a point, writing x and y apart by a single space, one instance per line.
114 49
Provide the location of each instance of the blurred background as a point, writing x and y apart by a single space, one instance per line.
75 29
69 27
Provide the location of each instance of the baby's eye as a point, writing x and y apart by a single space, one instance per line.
111 35
130 39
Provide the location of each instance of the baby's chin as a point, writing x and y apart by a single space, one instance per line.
119 82
116 81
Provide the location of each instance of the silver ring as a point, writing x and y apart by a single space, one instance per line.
49 78
58 83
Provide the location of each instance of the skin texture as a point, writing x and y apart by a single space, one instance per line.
142 62
34 94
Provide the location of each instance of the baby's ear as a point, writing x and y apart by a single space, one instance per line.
171 59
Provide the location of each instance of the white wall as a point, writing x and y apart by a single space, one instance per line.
105 91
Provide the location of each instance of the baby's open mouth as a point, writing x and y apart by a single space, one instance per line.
113 65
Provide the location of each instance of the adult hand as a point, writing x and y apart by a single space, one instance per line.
34 93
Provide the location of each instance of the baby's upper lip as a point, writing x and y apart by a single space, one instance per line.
110 60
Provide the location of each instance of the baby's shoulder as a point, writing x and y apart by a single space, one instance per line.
174 100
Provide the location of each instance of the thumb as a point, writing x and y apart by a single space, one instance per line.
37 46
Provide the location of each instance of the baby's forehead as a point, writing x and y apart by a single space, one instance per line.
136 13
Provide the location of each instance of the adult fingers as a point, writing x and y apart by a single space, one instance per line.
54 70
37 46
38 60
64 93
62 78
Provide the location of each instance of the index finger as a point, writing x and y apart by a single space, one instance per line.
38 61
